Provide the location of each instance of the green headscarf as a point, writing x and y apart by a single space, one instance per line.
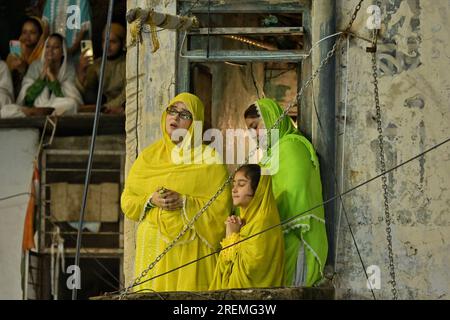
297 188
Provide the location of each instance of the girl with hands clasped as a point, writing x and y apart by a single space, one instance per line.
252 252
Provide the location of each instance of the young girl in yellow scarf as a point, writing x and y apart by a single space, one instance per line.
164 196
256 261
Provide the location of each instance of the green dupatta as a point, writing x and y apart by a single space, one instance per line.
297 188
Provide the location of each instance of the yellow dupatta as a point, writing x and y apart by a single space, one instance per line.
258 261
153 169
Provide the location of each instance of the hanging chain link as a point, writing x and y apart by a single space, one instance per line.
174 241
329 55
354 15
323 62
383 167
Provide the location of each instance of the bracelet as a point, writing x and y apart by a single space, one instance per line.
149 205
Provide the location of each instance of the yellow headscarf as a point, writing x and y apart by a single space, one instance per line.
154 168
258 261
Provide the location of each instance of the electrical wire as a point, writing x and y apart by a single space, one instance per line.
93 137
341 186
15 195
254 80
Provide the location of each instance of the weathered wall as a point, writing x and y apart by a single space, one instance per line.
17 149
413 60
155 88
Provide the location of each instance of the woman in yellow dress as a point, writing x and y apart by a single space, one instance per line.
256 261
163 195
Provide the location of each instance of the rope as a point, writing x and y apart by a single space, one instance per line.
137 100
338 187
95 259
154 37
341 185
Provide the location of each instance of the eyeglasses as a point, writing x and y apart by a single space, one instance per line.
185 115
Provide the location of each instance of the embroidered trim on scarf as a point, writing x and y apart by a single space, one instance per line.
294 225
186 221
229 253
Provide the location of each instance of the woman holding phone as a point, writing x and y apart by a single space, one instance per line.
88 74
60 18
31 43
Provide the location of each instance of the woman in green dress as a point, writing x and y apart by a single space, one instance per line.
297 188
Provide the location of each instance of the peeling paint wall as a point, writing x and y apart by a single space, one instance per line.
155 88
18 148
414 83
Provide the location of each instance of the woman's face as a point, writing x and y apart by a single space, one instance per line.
54 50
178 116
30 35
242 192
254 123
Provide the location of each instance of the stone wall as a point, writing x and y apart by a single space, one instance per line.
413 62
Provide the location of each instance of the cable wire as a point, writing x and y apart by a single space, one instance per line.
15 195
94 135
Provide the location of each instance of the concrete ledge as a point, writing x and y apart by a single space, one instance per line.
319 293
71 125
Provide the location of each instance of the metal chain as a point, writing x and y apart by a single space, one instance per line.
383 167
307 83
174 241
354 15
324 61
222 188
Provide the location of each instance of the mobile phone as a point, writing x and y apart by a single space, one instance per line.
15 48
86 48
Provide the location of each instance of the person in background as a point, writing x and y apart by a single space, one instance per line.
255 256
6 85
32 39
115 75
62 20
49 85
297 189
